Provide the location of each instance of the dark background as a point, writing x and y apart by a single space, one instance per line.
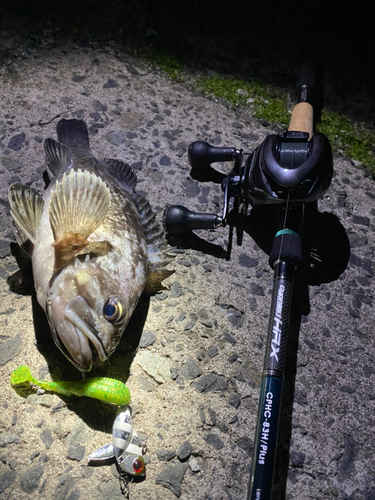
242 38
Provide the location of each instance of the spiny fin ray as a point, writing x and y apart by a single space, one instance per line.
78 205
156 245
56 155
26 206
123 173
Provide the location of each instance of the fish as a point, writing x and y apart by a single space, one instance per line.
105 389
95 245
126 447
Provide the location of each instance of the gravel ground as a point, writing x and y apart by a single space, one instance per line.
195 378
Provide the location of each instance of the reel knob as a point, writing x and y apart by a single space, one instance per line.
179 219
201 154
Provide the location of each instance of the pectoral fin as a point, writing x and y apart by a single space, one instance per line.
154 281
78 206
26 206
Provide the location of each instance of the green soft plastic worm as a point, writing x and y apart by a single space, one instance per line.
105 389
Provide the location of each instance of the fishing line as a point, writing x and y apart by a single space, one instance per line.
284 225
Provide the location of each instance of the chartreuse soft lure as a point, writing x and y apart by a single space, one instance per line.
105 389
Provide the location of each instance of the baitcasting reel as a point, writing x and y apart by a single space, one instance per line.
284 167
295 167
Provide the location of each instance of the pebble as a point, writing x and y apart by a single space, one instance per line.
245 444
232 358
11 164
229 338
180 317
17 141
10 349
191 323
116 137
297 458
86 471
145 384
256 289
347 389
234 400
108 490
7 479
8 438
110 84
165 161
64 487
76 452
30 479
238 375
191 369
80 433
246 261
47 400
347 461
155 366
359 219
176 290
78 78
210 383
214 441
147 339
98 106
165 455
235 317
171 477
184 451
193 464
47 438
213 351
184 263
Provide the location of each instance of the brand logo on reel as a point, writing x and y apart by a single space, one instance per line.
277 323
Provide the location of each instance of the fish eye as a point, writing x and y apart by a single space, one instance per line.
113 310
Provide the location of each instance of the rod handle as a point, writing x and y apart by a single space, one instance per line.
302 119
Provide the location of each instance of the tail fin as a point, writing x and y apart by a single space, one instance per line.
73 134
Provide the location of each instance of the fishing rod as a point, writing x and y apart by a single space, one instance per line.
289 172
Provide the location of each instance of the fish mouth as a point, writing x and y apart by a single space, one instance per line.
78 338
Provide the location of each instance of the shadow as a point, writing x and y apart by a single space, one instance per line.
326 247
193 241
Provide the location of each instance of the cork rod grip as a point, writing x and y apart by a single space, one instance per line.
302 118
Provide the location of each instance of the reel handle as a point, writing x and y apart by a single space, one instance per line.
179 220
201 154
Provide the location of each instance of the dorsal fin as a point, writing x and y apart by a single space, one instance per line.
57 159
156 245
123 172
26 207
78 206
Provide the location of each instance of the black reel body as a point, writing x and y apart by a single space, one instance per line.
288 165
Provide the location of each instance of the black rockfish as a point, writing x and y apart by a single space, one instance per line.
95 243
